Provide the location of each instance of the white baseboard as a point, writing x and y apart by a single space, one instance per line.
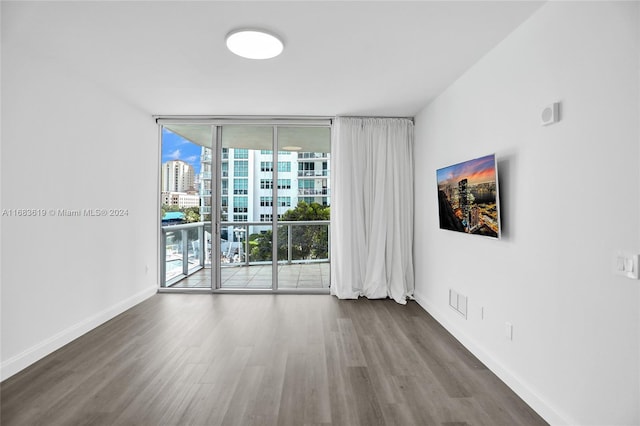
24 359
519 386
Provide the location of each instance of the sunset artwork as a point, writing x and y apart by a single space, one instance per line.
468 197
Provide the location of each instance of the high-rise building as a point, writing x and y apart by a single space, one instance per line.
313 177
464 201
204 187
247 182
474 217
178 176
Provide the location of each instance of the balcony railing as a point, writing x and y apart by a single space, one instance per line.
292 246
181 251
313 173
310 191
313 155
186 248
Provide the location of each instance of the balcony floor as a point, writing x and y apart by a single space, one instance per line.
295 276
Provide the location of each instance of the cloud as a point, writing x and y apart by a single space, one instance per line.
190 159
174 155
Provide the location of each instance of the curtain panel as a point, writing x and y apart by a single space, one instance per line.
372 208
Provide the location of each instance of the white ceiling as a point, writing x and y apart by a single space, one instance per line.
341 58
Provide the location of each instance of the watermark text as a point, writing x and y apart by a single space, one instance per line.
31 212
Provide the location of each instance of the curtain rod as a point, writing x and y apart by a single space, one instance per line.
241 117
412 119
266 117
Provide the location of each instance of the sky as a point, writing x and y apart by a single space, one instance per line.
175 147
476 171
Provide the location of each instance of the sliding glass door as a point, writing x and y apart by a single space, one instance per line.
263 206
246 229
185 205
303 207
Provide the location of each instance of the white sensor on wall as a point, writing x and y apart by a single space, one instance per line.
550 114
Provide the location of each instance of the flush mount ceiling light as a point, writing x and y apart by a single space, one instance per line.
254 44
291 148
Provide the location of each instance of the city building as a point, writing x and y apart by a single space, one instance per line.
302 176
177 176
180 199
463 201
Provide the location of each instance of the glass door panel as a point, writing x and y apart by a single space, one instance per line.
246 188
303 207
186 177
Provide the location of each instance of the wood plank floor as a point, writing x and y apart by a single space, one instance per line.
185 359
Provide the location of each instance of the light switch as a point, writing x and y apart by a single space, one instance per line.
626 264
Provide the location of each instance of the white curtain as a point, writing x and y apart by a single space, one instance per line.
372 208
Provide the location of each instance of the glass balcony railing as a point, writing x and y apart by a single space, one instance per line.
298 241
186 248
313 155
313 173
311 191
303 241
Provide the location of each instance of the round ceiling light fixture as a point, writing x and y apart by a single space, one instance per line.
292 148
254 44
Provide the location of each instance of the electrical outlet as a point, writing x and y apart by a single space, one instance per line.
458 302
453 299
462 305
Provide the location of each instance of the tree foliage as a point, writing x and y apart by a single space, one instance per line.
192 214
304 211
261 246
307 241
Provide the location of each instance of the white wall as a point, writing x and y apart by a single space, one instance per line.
569 198
69 144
